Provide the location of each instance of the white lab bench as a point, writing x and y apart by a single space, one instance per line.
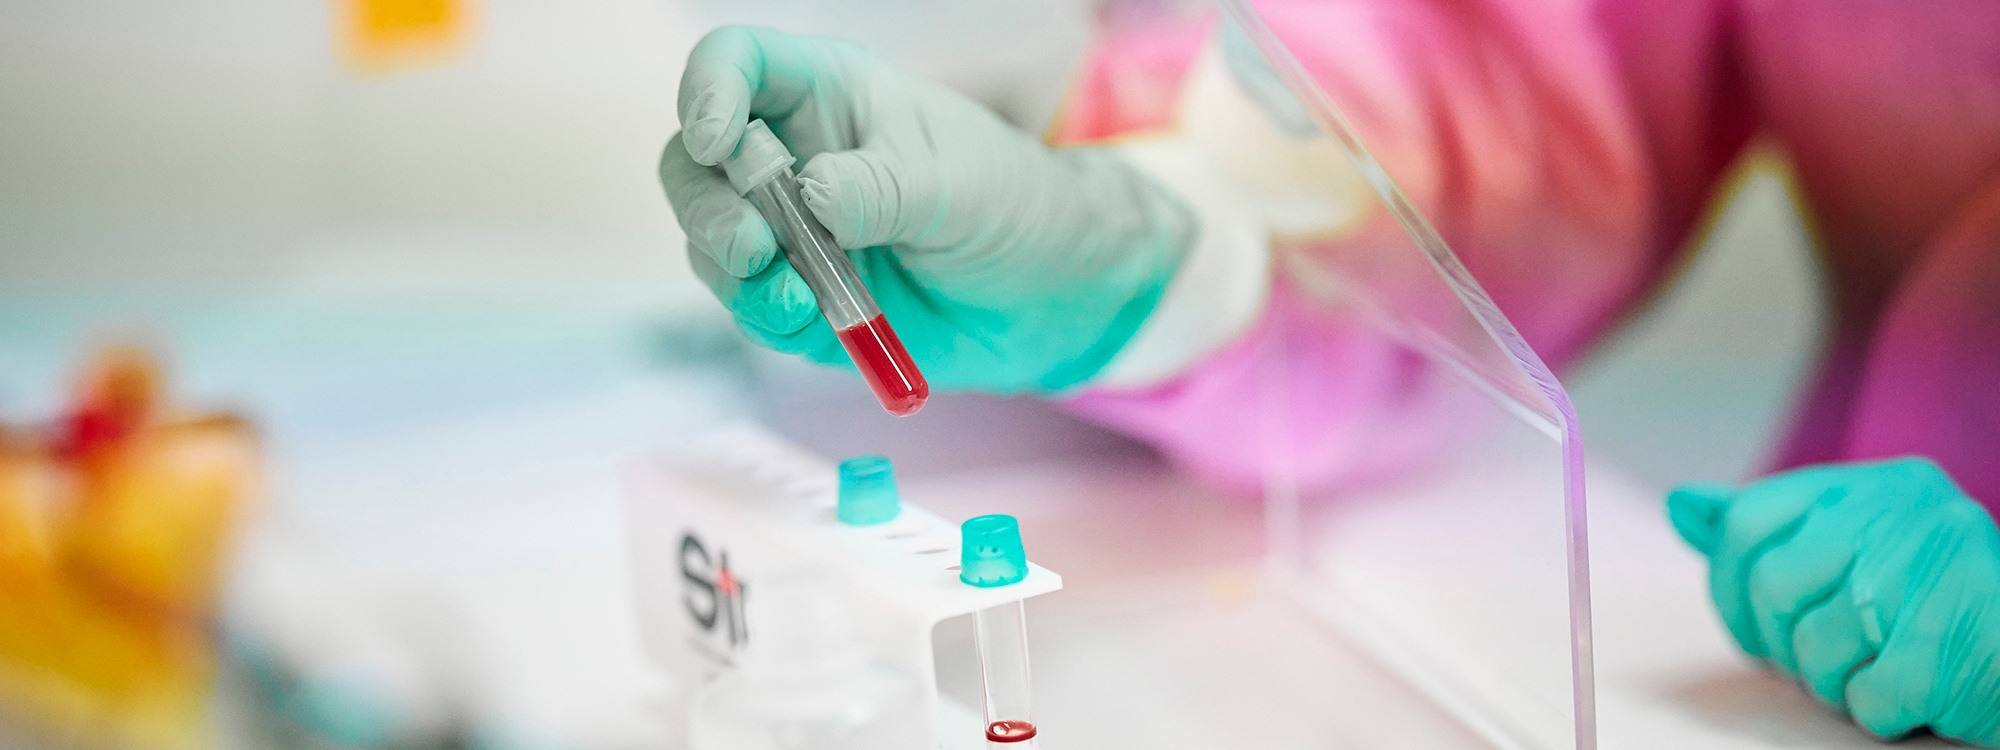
1169 635
499 499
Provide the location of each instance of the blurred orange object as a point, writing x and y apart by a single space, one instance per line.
113 529
380 35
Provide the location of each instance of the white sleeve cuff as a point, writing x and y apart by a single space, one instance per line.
1222 285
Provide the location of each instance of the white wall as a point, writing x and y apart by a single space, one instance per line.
221 143
1701 386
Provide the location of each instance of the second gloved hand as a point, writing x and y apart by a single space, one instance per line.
1876 585
1004 265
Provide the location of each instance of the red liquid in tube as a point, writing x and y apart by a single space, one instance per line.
887 367
1009 730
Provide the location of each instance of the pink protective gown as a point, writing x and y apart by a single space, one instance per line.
1567 148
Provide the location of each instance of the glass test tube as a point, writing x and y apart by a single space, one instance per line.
761 169
991 556
1002 633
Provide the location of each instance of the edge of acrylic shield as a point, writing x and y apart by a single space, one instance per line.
1480 348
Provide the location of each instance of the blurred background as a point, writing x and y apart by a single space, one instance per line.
418 248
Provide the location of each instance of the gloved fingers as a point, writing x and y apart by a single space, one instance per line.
1913 481
772 306
1761 517
718 223
1946 569
1829 646
818 343
1806 570
1971 713
1911 614
1905 564
1696 510
874 197
737 70
1891 696
813 342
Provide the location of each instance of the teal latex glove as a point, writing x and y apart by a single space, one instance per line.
1004 265
1876 585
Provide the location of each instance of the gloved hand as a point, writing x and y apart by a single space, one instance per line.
1877 585
1004 265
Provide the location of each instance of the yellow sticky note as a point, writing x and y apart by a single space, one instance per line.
381 35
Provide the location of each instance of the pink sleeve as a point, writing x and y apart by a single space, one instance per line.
1890 113
1351 404
1931 374
1513 126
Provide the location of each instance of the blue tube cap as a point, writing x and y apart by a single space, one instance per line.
990 553
868 493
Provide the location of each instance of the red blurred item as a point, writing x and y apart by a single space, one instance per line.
86 430
117 397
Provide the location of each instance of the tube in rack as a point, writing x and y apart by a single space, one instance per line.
1002 634
991 556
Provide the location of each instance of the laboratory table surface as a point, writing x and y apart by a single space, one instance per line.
476 457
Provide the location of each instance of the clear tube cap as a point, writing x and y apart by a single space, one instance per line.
990 552
758 155
868 492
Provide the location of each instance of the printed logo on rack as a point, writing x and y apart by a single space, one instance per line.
713 596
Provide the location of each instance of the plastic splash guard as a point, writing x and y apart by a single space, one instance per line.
1424 480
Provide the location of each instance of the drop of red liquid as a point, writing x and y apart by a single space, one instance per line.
886 365
1010 730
